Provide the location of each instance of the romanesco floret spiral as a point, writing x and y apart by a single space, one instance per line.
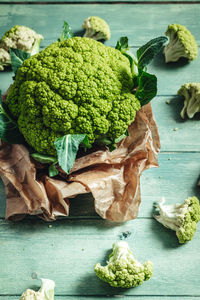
181 44
78 86
122 269
182 218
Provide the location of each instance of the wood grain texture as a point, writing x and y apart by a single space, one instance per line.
120 18
126 297
176 134
78 2
175 179
68 251
170 77
127 19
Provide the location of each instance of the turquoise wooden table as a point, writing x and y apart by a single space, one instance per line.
68 250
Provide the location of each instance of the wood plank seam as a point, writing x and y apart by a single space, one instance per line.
100 2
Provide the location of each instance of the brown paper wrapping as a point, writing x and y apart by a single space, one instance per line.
113 178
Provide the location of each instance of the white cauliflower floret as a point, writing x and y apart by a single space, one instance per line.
191 92
18 37
181 44
96 28
5 59
46 292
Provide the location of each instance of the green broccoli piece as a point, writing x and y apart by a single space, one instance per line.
182 218
181 44
77 86
191 92
122 269
18 37
96 28
46 292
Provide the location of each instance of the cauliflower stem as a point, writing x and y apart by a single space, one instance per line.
191 93
181 44
46 292
182 218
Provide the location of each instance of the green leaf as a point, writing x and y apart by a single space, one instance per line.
9 131
66 33
67 148
147 52
122 44
147 87
52 170
123 47
111 144
47 159
17 58
44 159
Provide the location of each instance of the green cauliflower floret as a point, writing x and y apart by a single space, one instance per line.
78 86
96 28
181 44
182 218
46 292
122 269
18 37
191 92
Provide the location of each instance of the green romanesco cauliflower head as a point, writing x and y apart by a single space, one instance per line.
96 28
182 218
191 92
78 86
181 44
122 269
18 37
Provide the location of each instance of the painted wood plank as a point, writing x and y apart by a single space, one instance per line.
177 73
94 2
112 298
68 251
176 134
175 179
127 19
174 74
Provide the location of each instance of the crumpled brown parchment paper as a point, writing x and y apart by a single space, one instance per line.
113 178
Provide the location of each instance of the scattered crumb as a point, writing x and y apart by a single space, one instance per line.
175 129
34 275
169 158
160 177
50 226
168 102
124 235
